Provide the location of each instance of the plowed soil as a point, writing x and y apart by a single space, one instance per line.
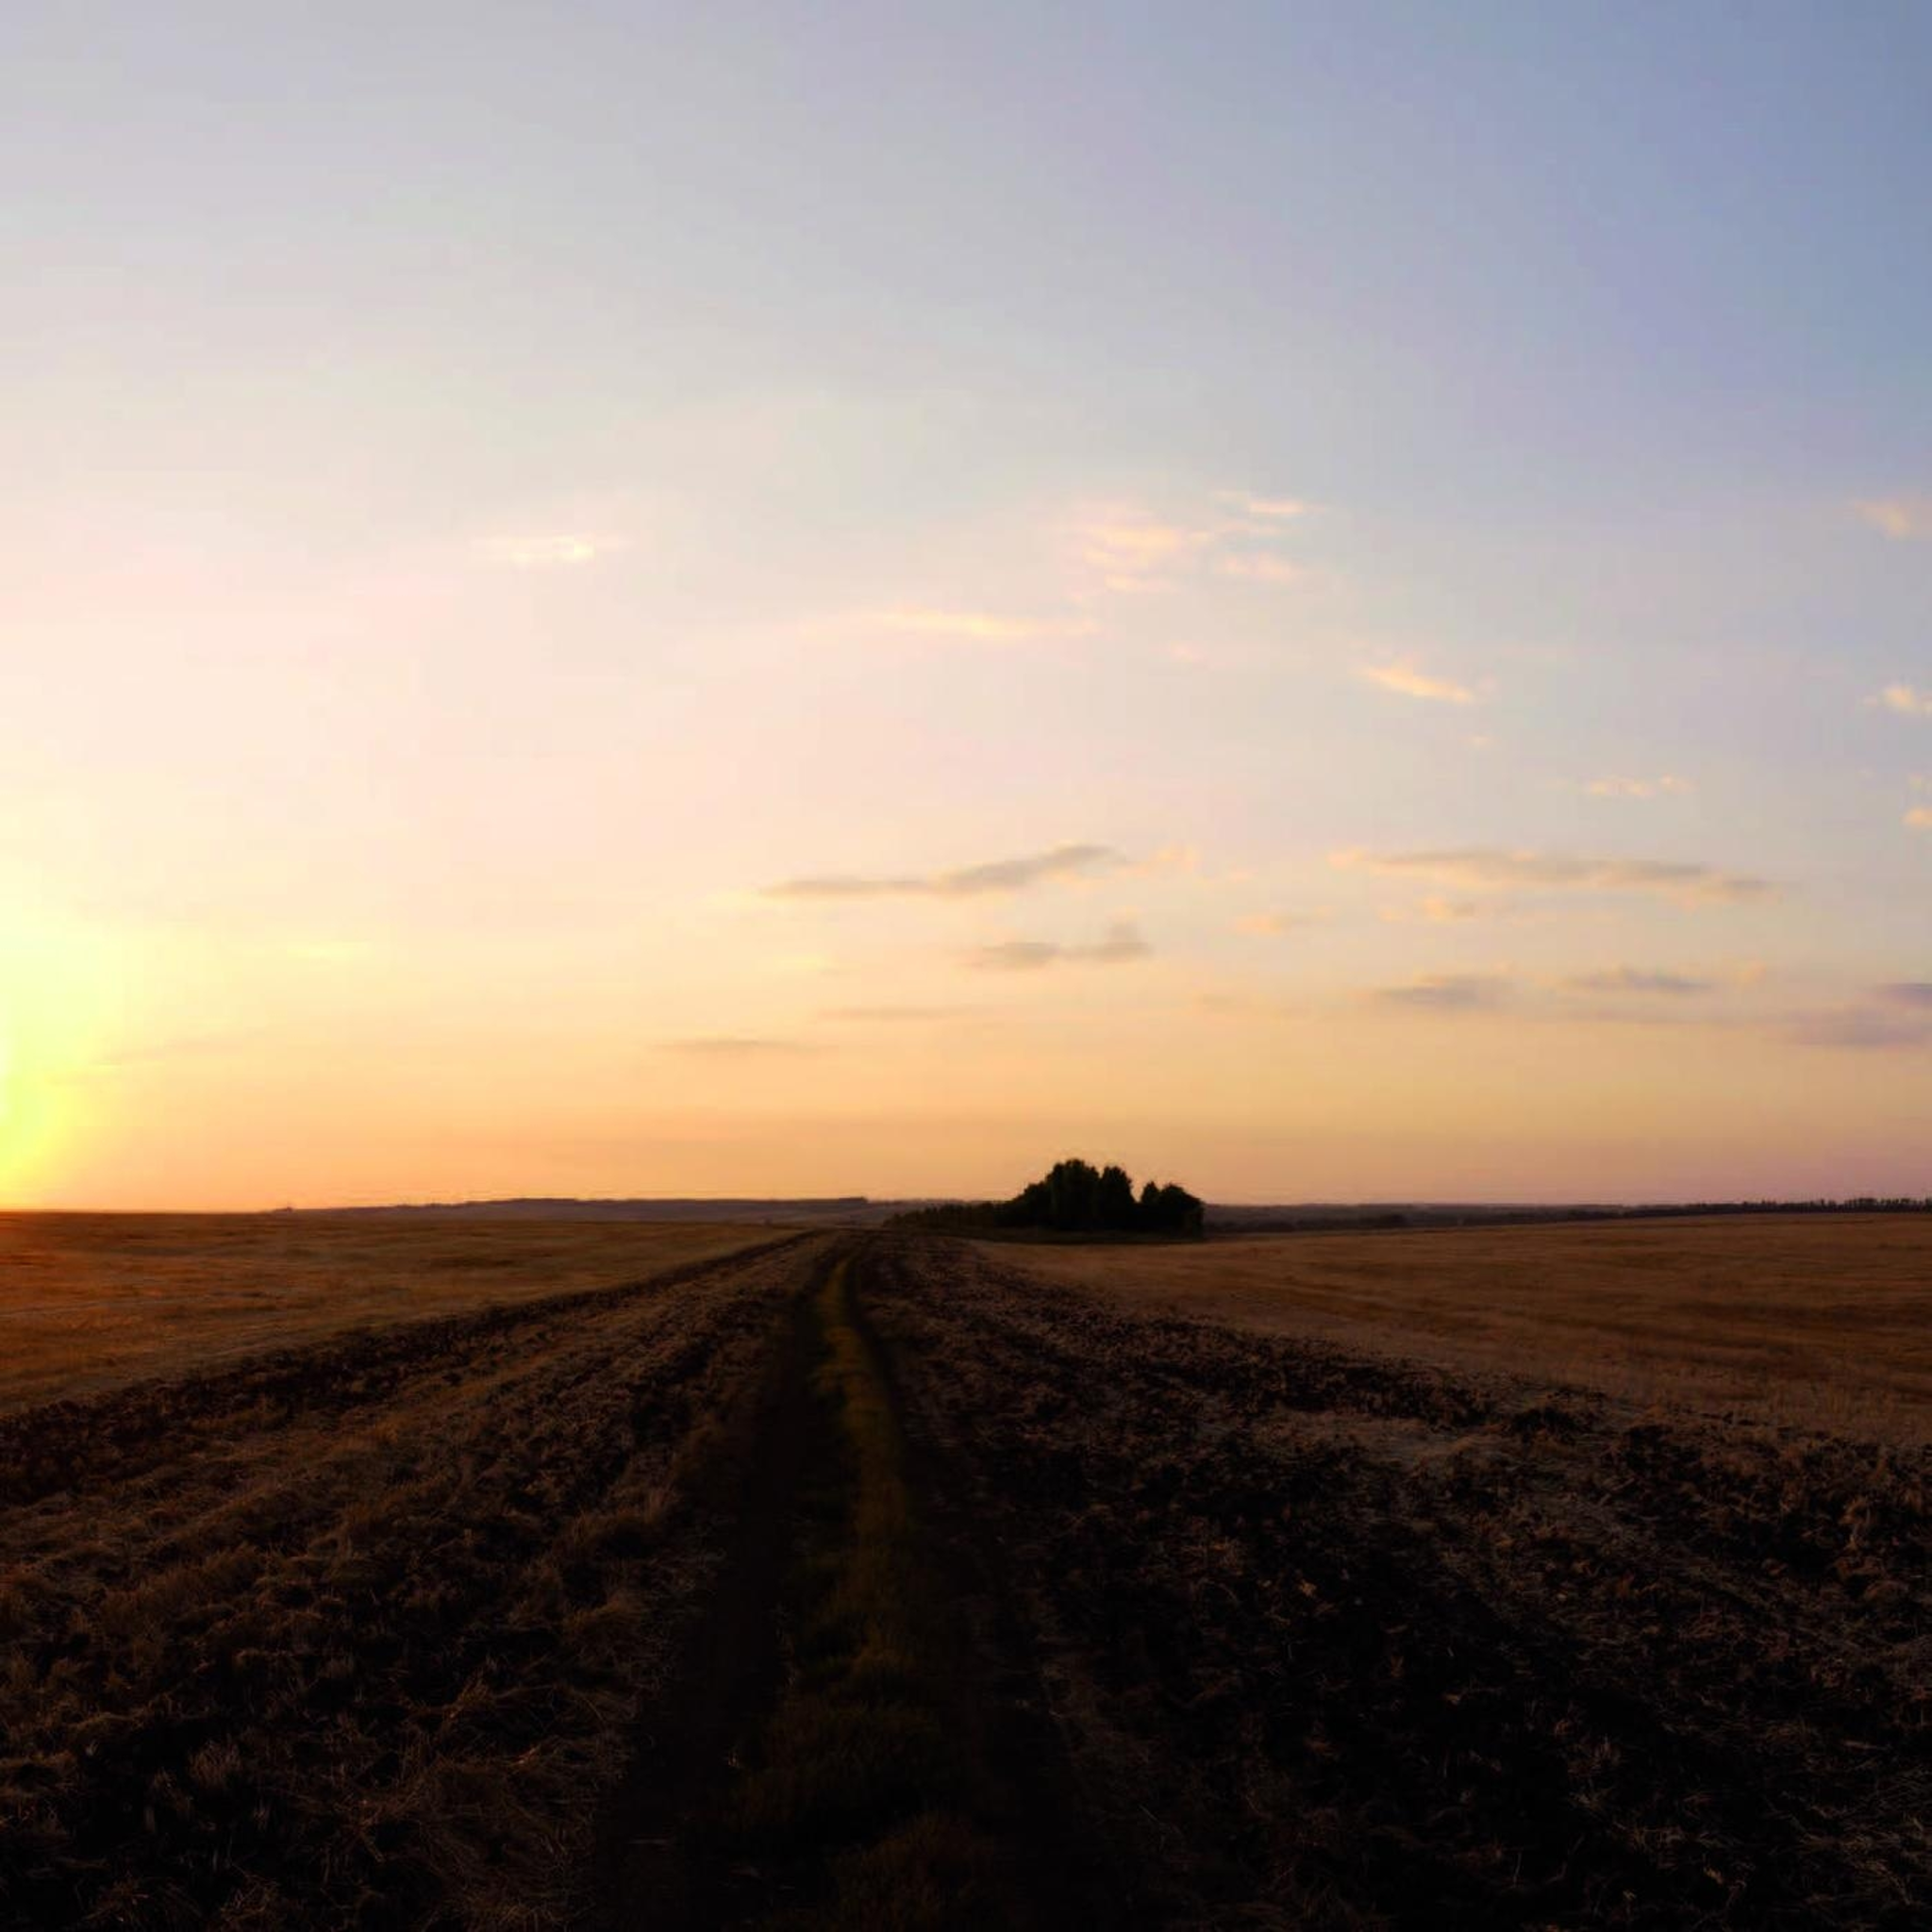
355 1635
1332 1639
877 1581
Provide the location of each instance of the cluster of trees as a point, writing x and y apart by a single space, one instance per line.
1077 1197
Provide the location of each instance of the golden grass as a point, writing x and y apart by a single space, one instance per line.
1821 1320
91 1301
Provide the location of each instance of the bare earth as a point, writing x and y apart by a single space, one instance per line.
1818 1318
847 1581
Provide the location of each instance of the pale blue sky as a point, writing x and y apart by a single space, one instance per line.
490 489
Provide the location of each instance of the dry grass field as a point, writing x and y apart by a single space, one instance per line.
875 1580
355 1633
87 1300
1819 1319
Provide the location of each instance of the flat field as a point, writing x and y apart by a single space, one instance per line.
864 1580
1824 1319
90 1300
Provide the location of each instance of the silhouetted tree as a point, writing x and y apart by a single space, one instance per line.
1115 1200
1170 1210
1076 1197
1072 1192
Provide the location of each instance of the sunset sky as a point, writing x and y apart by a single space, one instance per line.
1332 600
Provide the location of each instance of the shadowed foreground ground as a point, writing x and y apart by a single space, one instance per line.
868 1581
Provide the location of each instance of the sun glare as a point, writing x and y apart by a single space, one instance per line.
54 1008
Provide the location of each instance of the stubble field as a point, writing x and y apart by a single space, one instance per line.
1817 1319
873 1580
90 1300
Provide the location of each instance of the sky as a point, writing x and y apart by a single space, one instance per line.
1329 600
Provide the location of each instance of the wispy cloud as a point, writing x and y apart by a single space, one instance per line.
1908 992
1258 567
1271 924
1668 785
560 552
1492 866
1900 517
867 1016
1124 547
1409 681
981 626
1634 980
1449 992
1120 945
1276 508
1907 699
1437 910
962 882
1858 1026
1178 856
1898 1014
736 1046
1131 551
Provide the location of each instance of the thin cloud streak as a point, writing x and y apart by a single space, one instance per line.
1640 980
1906 699
1492 866
1449 992
1129 550
1120 945
1908 992
979 627
866 1016
547 552
1900 517
1437 911
1858 1026
1896 1014
1406 680
1276 507
1668 785
1271 924
1259 568
736 1046
963 882
1132 552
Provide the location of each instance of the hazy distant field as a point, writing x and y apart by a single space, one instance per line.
90 1300
1819 1319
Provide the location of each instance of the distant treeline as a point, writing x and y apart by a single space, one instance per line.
1314 1219
1073 1197
836 1210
